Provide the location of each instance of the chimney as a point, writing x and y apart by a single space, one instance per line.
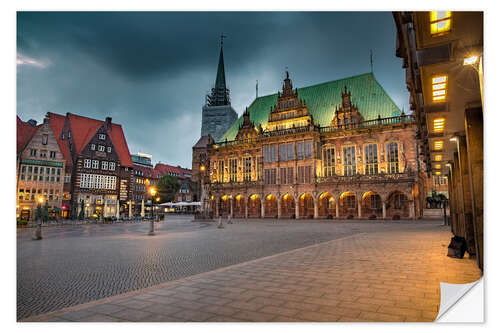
108 123
32 122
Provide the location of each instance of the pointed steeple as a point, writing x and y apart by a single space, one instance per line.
220 80
220 93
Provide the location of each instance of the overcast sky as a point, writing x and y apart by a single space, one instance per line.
150 71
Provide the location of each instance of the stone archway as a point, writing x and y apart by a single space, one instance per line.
213 206
288 206
371 205
239 206
397 205
348 205
254 208
326 209
306 206
225 205
271 206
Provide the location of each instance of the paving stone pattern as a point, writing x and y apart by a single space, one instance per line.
390 273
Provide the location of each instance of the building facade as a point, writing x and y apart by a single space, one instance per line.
40 169
341 149
442 52
217 114
98 167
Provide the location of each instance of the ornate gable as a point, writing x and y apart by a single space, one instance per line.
247 129
289 111
348 112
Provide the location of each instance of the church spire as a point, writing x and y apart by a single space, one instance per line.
220 93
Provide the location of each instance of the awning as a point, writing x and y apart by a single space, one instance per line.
180 204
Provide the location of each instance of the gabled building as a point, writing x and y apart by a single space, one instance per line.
40 169
98 162
339 149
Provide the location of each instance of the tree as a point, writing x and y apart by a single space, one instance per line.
168 186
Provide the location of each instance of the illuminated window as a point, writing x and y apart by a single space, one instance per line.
437 166
438 173
438 145
439 86
438 125
440 22
438 158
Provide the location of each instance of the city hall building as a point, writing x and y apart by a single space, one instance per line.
340 149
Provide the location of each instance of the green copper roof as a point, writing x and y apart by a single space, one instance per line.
321 99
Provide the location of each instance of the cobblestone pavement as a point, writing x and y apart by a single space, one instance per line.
373 271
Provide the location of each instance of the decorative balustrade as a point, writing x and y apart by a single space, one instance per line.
360 178
312 128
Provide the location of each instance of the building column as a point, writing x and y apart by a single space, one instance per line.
297 209
384 214
231 206
467 200
246 207
337 215
359 207
279 208
263 208
458 194
474 136
412 209
316 208
217 203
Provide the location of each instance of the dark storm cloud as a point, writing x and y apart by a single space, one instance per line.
151 70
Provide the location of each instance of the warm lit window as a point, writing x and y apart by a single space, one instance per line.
438 145
438 125
439 87
437 166
438 158
440 22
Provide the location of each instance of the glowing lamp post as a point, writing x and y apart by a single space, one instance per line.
152 191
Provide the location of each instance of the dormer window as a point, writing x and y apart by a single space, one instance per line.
92 147
101 148
45 139
69 134
109 149
102 136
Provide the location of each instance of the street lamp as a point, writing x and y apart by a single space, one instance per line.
152 191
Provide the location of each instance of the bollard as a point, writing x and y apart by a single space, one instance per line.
152 228
220 225
37 235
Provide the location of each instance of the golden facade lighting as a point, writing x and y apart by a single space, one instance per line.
438 145
470 60
438 125
437 166
438 173
439 86
440 22
438 158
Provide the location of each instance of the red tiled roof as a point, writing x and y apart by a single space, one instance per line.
57 125
83 129
24 133
164 169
